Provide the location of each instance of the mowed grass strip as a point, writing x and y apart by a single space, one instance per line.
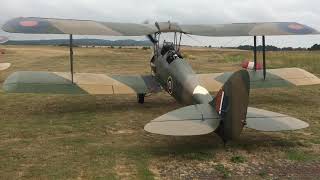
90 137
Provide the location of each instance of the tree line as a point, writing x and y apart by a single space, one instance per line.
315 47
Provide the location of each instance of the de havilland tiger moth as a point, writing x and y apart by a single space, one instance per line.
226 114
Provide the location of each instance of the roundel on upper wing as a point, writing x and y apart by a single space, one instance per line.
28 23
296 28
170 85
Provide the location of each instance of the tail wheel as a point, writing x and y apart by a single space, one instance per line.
140 98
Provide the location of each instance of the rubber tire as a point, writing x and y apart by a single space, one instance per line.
140 98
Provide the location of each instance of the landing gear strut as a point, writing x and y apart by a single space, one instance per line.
140 98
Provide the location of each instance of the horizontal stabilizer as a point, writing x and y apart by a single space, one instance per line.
188 121
263 120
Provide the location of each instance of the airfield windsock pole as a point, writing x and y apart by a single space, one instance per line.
71 56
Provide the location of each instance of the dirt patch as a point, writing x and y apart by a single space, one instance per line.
173 168
125 169
119 131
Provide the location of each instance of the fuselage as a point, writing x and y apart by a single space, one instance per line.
177 77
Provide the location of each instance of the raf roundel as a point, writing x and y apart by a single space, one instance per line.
29 23
296 26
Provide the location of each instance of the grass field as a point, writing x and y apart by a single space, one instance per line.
102 137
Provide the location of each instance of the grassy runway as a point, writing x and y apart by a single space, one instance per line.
102 137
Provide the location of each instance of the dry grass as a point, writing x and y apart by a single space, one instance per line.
90 137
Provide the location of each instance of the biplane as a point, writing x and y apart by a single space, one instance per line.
227 113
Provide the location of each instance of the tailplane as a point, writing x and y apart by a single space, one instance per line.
226 115
268 121
192 120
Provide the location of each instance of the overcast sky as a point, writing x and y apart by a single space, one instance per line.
182 11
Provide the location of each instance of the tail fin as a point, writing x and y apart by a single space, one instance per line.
231 103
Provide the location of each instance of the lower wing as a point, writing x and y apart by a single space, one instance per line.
84 83
285 77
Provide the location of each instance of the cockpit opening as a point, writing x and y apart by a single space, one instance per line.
172 53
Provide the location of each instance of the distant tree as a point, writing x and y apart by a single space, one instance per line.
210 46
259 48
145 47
120 47
112 47
301 49
245 47
315 47
287 49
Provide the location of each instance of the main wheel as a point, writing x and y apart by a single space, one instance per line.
140 98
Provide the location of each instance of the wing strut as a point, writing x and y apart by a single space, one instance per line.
71 56
264 56
255 53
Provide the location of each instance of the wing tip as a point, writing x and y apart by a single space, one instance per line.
267 121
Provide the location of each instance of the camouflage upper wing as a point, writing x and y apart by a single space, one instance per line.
34 25
84 83
284 77
249 29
